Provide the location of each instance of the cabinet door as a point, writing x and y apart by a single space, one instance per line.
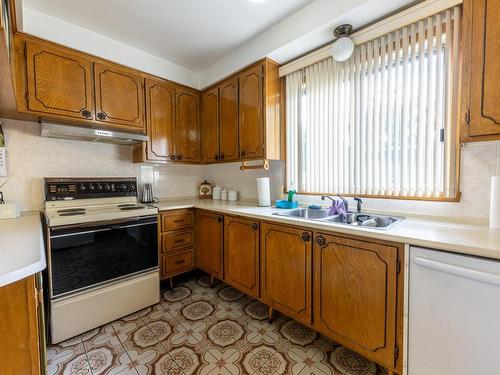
209 237
355 295
241 254
187 128
228 119
19 329
286 267
59 82
160 125
485 68
251 127
210 124
119 96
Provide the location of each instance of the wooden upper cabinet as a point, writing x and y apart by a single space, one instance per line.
241 254
160 122
209 242
251 116
58 81
482 30
187 104
286 270
210 124
228 119
355 295
119 96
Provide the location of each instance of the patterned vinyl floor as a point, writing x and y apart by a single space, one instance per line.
203 329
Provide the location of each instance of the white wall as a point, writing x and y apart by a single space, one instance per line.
73 36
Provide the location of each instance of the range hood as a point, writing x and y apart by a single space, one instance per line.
54 130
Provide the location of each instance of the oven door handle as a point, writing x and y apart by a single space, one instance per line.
79 233
133 225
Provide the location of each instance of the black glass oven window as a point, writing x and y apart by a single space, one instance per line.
101 254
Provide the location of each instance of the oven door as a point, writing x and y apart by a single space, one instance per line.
86 256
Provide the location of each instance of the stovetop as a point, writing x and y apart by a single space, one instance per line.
72 201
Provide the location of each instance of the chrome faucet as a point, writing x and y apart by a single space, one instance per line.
334 208
346 203
360 202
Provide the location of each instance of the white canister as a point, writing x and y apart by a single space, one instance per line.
223 195
232 195
264 191
216 192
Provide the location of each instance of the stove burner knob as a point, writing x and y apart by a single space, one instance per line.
107 187
92 187
99 187
83 187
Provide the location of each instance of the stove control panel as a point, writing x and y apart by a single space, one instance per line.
83 188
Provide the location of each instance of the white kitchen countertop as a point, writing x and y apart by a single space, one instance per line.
431 232
22 251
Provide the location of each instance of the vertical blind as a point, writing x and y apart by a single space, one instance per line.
383 122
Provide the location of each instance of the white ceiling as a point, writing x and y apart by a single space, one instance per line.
192 33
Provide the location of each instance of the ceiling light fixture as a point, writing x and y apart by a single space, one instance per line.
343 46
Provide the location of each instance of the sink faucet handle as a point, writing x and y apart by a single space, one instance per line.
360 202
346 204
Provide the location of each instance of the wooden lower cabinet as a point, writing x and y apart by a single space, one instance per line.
355 295
286 270
241 254
209 245
176 242
19 328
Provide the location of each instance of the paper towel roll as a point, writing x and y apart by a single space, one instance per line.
263 191
495 203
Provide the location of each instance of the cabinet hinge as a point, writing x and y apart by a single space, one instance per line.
25 52
38 297
27 97
396 352
467 117
398 266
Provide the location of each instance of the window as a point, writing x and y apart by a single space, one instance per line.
383 122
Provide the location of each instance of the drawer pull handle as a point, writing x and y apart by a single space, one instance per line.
180 261
179 240
179 221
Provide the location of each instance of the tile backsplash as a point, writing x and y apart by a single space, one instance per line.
31 157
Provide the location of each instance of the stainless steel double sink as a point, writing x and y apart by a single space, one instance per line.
363 220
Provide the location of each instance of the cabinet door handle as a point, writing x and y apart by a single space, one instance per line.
219 219
179 157
86 113
101 116
306 237
180 261
221 156
216 157
255 226
171 157
320 240
242 153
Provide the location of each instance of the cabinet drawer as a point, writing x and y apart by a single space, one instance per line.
177 262
176 240
176 220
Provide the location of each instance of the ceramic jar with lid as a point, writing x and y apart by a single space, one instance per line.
205 190
223 195
216 192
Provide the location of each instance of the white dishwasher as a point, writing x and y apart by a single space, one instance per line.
454 314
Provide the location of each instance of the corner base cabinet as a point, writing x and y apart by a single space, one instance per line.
286 270
355 295
241 254
209 236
